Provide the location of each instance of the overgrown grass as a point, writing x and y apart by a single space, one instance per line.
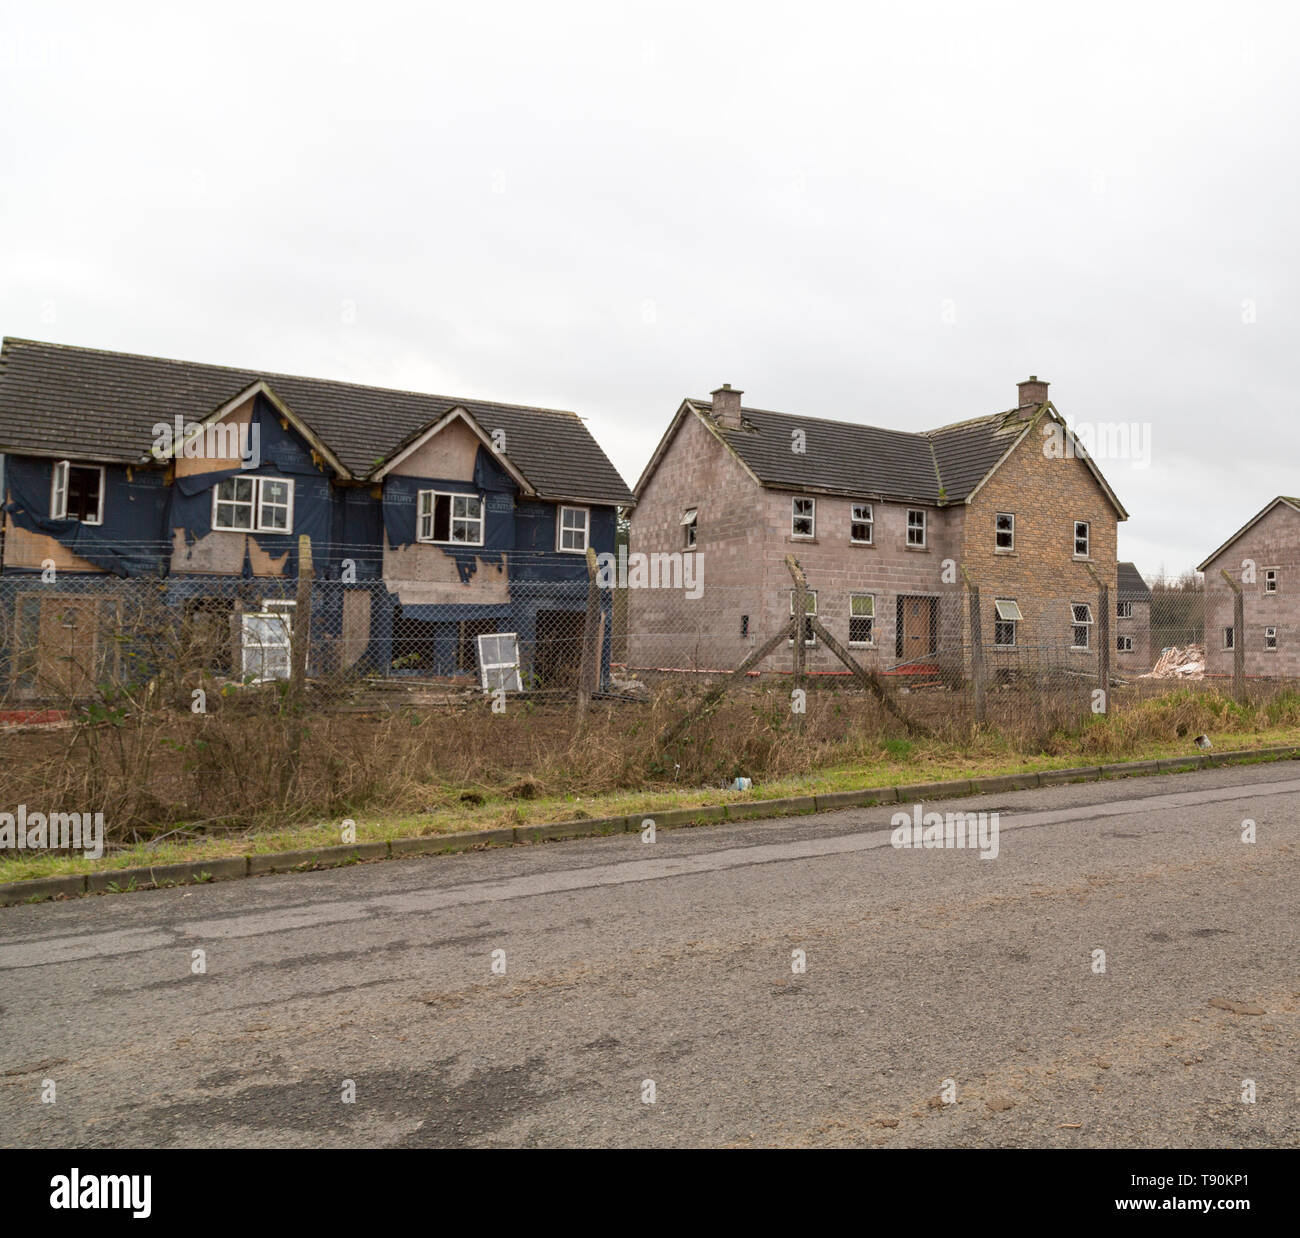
175 786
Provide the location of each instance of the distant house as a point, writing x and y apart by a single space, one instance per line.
1132 621
1263 558
432 519
882 521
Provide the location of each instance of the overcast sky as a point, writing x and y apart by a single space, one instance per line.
876 213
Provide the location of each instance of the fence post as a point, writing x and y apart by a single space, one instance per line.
800 616
1103 639
301 636
976 645
1238 639
591 629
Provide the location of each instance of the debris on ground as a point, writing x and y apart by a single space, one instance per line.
1179 662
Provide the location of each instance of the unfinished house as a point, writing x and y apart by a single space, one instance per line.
1132 621
432 520
887 525
1263 560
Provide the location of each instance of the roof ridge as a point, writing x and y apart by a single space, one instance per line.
301 378
827 421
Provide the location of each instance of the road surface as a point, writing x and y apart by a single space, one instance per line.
947 1000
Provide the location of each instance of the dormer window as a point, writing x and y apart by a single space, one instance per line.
77 492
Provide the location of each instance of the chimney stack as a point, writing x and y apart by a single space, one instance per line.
726 407
1032 391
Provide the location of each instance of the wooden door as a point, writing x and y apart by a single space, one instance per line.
920 627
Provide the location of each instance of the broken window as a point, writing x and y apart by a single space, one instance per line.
862 524
498 659
1082 539
1006 614
810 609
1004 531
1082 614
803 517
690 527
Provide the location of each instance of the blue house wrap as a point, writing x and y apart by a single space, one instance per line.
332 442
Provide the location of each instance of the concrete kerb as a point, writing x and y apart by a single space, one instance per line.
200 871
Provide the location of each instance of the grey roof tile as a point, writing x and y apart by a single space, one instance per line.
59 400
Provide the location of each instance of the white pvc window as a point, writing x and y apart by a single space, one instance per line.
810 609
1082 625
77 492
803 517
1270 580
498 661
1229 638
1270 638
862 524
1082 539
916 526
1124 610
450 519
253 505
1004 531
1124 644
690 527
1006 614
265 645
575 527
862 619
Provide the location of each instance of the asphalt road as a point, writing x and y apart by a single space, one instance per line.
931 975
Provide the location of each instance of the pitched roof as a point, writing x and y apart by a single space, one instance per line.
1130 587
57 400
940 466
1254 520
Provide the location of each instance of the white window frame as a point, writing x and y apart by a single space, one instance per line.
509 682
1086 539
255 515
871 619
560 529
286 506
1076 623
869 520
1010 531
690 528
1124 610
810 515
911 528
1270 634
429 499
1123 644
59 483
1006 611
1270 579
283 623
810 598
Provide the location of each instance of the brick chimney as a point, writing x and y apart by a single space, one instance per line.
1032 391
726 407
